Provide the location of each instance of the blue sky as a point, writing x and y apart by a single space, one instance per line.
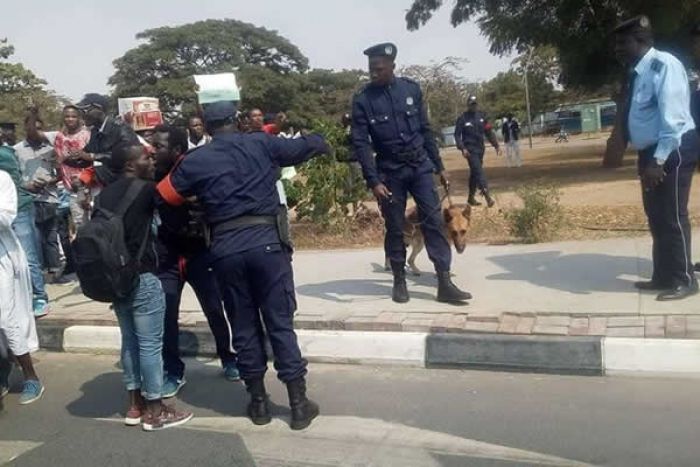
72 46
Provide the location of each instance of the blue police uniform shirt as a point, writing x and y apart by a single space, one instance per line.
470 131
235 175
660 106
392 121
695 108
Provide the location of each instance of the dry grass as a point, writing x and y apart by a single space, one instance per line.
598 203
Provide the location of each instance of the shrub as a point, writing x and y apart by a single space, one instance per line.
326 191
541 216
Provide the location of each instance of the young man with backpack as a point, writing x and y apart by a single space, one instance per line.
115 259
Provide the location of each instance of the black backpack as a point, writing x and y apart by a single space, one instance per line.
105 269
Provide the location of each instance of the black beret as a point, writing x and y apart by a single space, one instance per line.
387 49
632 25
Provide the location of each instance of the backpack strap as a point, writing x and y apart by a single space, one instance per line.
130 196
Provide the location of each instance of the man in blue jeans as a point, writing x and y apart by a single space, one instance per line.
142 314
183 257
24 225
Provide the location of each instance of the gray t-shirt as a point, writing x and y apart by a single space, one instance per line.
39 163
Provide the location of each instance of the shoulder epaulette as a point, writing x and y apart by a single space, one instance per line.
657 65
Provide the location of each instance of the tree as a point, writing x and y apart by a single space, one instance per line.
163 66
505 94
444 93
579 30
20 87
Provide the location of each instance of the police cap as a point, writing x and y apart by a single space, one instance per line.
386 49
472 100
219 111
634 25
93 99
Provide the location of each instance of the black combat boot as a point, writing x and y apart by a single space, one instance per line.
448 292
399 293
490 202
258 409
472 200
303 409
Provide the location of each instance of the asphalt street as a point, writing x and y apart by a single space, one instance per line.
371 416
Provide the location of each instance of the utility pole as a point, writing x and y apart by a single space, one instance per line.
527 95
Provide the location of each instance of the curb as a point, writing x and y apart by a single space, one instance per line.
592 356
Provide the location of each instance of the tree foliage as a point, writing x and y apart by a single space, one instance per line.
20 87
163 66
579 30
328 192
272 72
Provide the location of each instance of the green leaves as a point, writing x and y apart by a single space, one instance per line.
580 31
326 191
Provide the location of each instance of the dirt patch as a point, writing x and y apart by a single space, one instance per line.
599 203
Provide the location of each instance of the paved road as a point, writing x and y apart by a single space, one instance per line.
371 416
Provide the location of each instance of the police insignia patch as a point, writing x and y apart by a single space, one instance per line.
409 100
388 50
657 65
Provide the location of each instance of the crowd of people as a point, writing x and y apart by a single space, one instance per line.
59 184
137 215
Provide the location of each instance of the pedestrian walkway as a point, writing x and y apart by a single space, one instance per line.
572 288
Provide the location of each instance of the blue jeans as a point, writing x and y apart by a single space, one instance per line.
28 235
141 319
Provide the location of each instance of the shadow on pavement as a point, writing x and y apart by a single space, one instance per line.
102 397
575 273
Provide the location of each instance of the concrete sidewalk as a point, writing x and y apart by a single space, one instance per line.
561 289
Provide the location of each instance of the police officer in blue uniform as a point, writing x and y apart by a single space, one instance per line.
233 178
660 126
183 257
695 96
471 129
388 116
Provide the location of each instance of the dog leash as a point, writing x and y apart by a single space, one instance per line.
437 208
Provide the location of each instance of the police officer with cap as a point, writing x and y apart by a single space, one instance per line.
388 116
233 179
471 128
659 125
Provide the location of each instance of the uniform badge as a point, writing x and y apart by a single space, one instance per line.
388 50
409 100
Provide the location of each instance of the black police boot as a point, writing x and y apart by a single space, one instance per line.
399 293
448 292
258 408
472 200
303 409
490 202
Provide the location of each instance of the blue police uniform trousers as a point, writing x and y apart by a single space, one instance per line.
419 183
477 175
666 207
197 272
259 283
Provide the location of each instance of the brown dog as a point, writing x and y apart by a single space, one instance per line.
457 221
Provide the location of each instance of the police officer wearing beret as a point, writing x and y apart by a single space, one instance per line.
233 179
471 129
388 117
660 126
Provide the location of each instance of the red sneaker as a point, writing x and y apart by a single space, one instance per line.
134 415
168 418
